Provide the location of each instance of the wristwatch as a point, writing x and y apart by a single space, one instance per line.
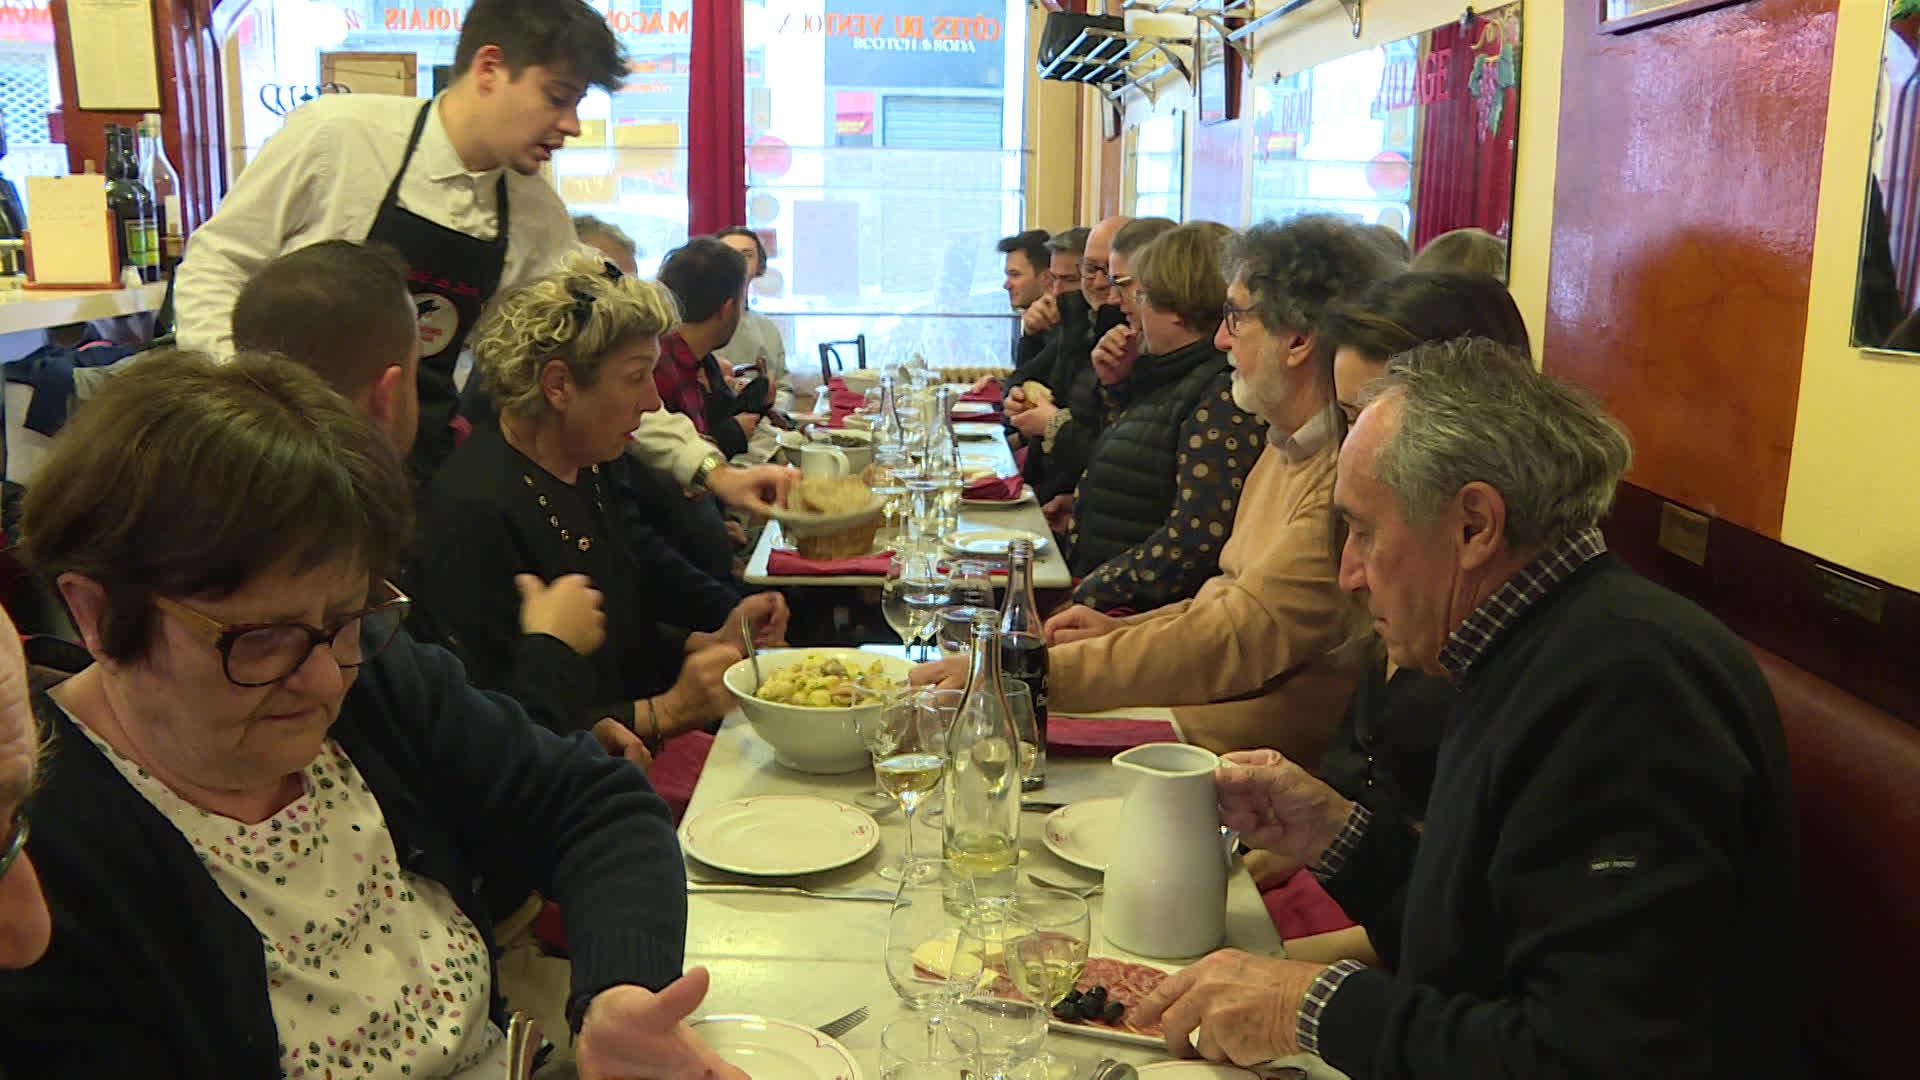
707 465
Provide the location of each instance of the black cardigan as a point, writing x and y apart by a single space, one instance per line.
484 521
1608 877
1382 755
153 973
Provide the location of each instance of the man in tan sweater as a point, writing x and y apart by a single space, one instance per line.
1257 657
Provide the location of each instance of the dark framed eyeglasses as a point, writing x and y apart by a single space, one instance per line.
261 654
1092 269
1230 314
16 842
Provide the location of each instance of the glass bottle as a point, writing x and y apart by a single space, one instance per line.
981 820
149 217
891 432
129 212
165 183
1023 651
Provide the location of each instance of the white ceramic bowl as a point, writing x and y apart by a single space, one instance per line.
861 380
807 739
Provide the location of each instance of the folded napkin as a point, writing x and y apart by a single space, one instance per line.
1084 735
991 395
792 564
995 488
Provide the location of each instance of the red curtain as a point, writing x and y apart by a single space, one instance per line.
1467 141
717 120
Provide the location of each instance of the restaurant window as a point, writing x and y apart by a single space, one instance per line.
885 159
1156 166
29 92
1323 144
629 164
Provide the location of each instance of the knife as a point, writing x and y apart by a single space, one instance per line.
1040 806
885 895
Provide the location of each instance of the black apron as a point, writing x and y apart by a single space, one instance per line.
452 276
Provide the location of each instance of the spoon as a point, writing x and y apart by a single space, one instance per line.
1110 1069
753 654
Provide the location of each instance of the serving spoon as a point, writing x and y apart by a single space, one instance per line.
753 654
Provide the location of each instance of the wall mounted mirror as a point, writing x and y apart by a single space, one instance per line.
1886 304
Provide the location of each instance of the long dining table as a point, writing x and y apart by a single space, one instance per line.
810 960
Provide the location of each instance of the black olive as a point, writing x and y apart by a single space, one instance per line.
1067 1010
1088 1009
1097 997
1114 1012
1072 998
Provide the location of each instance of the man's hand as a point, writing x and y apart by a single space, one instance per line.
1247 1007
982 383
947 674
632 1033
767 612
1032 421
698 695
619 741
1078 622
1041 316
1015 402
736 533
1059 513
569 609
757 490
1278 806
1113 357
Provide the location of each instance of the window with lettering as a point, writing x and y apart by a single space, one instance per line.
884 161
1327 140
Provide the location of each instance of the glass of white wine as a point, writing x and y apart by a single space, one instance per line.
909 769
1048 931
1012 1026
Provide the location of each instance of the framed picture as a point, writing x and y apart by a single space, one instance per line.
1216 85
1620 16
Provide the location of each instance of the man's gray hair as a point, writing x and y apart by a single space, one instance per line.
1071 242
585 225
1294 270
1473 409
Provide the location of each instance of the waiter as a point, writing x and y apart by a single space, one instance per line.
454 186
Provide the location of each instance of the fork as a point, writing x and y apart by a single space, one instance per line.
833 1029
1081 891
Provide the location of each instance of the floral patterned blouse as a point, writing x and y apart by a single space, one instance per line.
372 971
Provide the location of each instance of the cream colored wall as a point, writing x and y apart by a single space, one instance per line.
1321 33
1852 492
1054 167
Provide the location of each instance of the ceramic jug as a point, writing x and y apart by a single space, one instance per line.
1167 883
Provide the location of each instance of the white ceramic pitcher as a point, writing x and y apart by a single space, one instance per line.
1166 881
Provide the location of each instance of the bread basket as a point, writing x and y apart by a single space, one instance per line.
832 535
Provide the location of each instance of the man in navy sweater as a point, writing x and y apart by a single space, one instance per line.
1607 877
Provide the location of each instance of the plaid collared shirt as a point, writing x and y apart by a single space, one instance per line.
1468 642
678 378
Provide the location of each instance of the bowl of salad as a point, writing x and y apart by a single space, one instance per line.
810 706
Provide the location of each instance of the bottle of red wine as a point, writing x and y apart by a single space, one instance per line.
1023 650
129 212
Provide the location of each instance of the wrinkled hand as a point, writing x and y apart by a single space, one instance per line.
1113 357
1278 806
569 609
698 695
757 489
946 674
1032 421
768 612
631 1033
619 741
1059 513
1015 402
982 383
1247 1007
1078 622
1041 316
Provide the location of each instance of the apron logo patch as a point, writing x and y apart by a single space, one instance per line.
439 320
1614 864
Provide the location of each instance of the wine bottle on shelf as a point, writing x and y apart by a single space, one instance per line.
129 218
149 219
164 180
982 815
1023 650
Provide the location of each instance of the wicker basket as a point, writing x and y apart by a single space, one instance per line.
843 542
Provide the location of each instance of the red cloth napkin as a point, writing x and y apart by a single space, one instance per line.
991 395
1081 735
1300 907
792 564
995 488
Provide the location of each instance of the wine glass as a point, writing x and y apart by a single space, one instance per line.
928 1048
972 583
877 730
1048 931
910 769
954 634
937 708
921 929
1012 1027
912 595
1025 726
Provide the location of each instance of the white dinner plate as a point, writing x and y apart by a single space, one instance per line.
974 408
781 541
992 543
1026 496
1197 1070
1082 832
977 431
779 835
769 1049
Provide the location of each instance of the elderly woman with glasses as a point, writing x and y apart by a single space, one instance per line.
275 832
569 362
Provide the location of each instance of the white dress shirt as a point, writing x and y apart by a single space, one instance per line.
322 178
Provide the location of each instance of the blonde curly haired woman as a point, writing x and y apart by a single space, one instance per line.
568 361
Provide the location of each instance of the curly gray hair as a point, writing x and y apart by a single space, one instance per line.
1294 270
1473 409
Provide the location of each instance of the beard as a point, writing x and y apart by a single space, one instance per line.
1244 397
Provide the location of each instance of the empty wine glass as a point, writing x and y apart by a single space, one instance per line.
955 630
1012 1027
912 595
1025 727
928 1048
910 768
971 583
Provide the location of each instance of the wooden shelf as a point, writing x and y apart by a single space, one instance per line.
37 309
